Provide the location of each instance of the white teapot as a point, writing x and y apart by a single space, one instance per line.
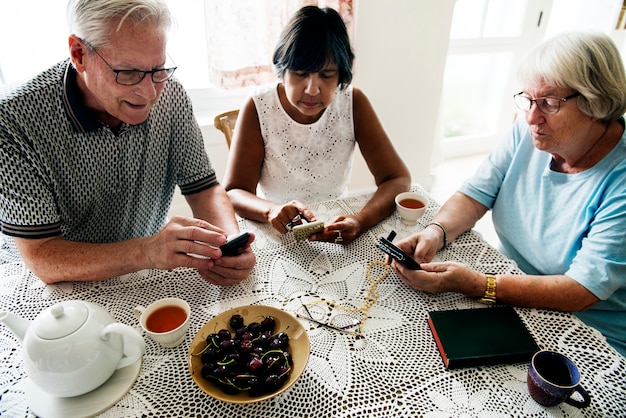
73 347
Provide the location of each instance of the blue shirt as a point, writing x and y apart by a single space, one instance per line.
554 223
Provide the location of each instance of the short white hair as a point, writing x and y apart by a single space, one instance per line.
586 62
91 20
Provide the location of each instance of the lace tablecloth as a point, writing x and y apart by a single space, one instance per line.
393 371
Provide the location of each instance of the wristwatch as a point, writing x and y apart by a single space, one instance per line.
489 298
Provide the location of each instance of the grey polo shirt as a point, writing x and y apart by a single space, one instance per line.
63 172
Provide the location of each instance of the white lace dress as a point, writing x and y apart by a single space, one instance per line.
305 162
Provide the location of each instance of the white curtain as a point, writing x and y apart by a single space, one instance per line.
242 35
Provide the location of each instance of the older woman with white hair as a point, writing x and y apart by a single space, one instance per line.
556 186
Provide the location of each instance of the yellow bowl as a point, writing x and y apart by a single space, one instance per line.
299 348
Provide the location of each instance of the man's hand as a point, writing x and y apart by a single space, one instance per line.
227 271
184 242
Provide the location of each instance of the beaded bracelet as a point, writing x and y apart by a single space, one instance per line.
445 233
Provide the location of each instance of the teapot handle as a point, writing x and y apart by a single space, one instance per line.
134 344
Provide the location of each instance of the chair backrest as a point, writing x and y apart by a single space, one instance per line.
225 122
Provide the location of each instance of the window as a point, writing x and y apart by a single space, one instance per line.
488 38
485 38
33 37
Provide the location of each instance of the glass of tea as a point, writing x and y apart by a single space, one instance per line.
166 320
411 206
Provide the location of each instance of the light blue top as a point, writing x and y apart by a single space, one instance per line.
557 223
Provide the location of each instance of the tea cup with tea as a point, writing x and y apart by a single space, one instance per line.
166 320
411 206
553 378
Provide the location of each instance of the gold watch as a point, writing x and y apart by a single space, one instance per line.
489 297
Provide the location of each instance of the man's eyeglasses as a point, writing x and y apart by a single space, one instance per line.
132 77
548 105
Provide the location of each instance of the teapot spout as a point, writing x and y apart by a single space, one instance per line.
15 323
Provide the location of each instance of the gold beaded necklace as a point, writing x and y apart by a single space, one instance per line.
370 298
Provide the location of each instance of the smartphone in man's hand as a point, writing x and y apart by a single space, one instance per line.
233 245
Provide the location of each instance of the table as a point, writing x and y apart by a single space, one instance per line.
393 371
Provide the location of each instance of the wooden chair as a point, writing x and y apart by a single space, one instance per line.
225 122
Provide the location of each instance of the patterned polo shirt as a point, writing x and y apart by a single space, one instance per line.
63 172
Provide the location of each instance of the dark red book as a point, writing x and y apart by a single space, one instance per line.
484 336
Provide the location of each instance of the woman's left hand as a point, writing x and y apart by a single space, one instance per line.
442 277
343 230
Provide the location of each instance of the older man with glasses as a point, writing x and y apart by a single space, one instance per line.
556 186
92 150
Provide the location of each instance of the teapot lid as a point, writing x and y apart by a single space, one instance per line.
60 320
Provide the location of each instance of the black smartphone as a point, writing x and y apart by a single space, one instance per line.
232 246
397 254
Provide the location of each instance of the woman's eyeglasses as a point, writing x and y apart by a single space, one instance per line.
548 105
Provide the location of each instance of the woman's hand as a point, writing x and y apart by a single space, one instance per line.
281 216
343 230
423 246
442 277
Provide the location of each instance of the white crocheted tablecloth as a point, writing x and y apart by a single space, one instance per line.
393 371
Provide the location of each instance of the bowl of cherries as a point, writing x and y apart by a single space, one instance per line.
249 354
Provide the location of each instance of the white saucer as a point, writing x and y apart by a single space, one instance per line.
92 403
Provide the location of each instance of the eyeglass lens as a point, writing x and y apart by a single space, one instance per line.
131 77
549 105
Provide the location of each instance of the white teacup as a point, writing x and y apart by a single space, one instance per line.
411 206
166 320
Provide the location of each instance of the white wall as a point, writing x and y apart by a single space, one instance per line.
401 48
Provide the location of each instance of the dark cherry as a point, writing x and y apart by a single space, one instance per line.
241 331
257 351
230 387
207 371
210 356
236 321
273 381
261 341
245 346
213 340
255 365
254 328
268 324
272 362
276 343
283 337
224 334
227 345
220 371
287 356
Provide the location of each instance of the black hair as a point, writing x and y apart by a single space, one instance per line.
313 38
